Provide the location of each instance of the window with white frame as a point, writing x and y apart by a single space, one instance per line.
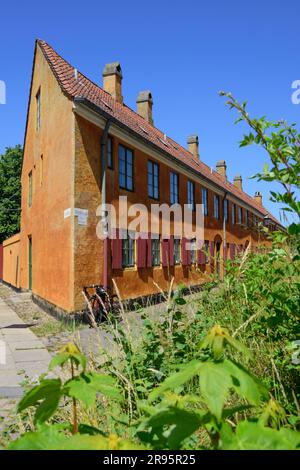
128 251
155 251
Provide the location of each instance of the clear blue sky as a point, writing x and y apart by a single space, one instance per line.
183 51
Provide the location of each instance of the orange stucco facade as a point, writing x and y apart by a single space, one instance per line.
12 260
62 172
134 282
49 158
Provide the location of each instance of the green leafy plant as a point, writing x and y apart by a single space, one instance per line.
171 417
82 388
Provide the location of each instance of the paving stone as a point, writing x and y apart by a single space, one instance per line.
18 332
15 338
11 392
34 355
24 352
26 345
32 369
9 363
10 378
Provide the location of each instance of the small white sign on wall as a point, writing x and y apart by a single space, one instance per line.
67 213
79 212
82 220
82 215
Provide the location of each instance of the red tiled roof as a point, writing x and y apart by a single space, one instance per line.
81 87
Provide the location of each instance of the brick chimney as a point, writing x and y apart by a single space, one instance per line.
144 103
221 168
258 197
238 182
193 144
112 80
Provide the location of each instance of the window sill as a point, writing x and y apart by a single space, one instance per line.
129 268
127 190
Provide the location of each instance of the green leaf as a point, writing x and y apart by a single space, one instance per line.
86 386
215 382
227 412
176 380
245 384
62 358
46 438
266 168
180 301
253 436
294 229
70 352
49 393
51 438
170 426
91 430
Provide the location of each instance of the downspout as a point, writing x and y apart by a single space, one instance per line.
103 202
224 230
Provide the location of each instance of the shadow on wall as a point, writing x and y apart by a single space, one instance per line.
11 257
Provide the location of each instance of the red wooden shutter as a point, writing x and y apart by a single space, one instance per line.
171 251
186 254
201 255
116 250
149 251
165 253
141 252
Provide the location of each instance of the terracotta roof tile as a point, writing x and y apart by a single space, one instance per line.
84 88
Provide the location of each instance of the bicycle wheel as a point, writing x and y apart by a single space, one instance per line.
97 310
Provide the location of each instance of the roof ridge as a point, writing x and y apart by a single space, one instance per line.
126 115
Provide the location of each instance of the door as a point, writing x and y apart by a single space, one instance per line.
29 263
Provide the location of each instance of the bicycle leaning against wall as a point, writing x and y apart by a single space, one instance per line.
99 304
